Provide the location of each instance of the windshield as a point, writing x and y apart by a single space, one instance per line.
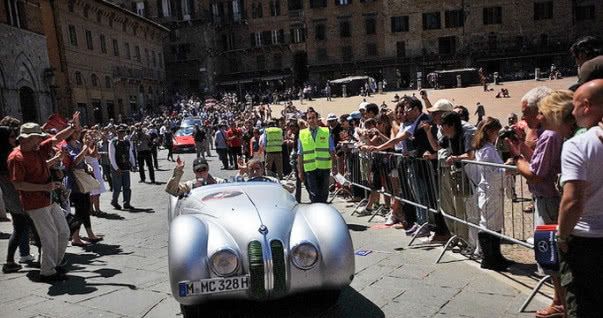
190 122
184 132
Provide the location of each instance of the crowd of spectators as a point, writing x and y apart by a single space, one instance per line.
55 167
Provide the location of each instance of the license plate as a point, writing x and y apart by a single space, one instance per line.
213 286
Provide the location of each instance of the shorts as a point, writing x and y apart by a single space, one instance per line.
546 210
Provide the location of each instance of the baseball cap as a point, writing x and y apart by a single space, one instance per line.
331 116
200 163
442 105
355 115
31 129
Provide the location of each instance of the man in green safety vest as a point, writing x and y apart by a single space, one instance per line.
315 152
272 143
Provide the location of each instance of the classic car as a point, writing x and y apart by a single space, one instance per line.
183 140
253 241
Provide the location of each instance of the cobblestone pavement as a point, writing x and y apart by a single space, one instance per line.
126 275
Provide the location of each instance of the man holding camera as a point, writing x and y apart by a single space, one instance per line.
143 143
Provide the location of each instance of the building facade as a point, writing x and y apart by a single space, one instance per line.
26 77
108 60
235 44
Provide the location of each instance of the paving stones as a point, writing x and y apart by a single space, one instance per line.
126 275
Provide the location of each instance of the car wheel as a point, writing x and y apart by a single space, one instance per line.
190 311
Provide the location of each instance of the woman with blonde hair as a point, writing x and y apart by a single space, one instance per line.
542 169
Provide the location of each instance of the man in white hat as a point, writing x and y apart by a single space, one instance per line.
28 168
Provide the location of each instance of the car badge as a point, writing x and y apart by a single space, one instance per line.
263 229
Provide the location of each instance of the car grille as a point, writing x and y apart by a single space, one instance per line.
278 266
256 269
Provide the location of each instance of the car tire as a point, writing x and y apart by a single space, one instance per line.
190 311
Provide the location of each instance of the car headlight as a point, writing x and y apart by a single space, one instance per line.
304 255
224 262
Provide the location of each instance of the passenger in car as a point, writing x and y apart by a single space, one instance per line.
202 177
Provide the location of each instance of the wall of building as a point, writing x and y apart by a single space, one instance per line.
24 66
94 79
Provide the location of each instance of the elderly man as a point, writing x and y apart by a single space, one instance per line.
202 177
580 232
121 156
28 168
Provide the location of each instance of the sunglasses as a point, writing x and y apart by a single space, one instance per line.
202 169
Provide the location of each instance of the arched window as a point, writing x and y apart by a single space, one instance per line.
94 79
150 90
78 78
12 12
107 81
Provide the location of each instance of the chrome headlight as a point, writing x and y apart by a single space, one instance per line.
304 255
224 262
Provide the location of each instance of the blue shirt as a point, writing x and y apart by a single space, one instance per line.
313 132
220 139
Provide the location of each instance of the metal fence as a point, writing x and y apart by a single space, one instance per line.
467 195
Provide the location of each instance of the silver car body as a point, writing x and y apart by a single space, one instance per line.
230 216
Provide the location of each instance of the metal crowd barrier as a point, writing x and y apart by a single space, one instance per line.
433 188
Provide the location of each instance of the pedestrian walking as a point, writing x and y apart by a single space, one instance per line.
143 143
122 160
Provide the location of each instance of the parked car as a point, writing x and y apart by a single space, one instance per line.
184 140
252 240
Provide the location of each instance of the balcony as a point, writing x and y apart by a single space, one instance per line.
296 14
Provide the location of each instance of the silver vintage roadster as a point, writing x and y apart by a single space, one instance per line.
251 240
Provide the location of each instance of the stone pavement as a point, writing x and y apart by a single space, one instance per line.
126 274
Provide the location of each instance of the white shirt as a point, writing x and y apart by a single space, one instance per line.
581 160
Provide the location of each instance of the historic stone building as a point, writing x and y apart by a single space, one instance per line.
25 73
108 61
233 44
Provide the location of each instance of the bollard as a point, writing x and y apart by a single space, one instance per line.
344 92
459 81
419 79
495 78
380 87
537 74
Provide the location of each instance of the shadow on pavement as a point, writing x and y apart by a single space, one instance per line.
4 236
357 227
77 285
350 304
109 216
139 210
104 249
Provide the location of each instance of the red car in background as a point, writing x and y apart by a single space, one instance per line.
183 140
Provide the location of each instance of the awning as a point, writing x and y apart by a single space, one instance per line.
243 81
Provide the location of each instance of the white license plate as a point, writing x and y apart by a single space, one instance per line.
213 285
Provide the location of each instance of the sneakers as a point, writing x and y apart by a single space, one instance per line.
26 259
412 229
364 211
11 268
424 232
390 219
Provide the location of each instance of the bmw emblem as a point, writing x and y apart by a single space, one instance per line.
263 229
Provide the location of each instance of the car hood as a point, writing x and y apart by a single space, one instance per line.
241 209
184 139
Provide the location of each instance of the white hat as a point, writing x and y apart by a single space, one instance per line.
331 116
362 106
442 105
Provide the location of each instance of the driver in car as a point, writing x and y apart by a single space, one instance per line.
202 177
254 171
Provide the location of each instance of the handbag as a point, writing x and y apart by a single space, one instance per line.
84 181
461 185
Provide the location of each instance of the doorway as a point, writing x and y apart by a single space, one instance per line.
27 100
300 67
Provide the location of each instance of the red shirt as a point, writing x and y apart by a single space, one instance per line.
236 142
30 166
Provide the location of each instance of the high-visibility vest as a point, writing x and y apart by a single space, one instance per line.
274 139
315 153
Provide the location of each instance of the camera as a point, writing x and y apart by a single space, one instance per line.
508 133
